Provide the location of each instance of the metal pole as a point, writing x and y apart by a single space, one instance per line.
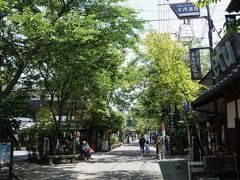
188 20
210 27
74 134
159 16
210 37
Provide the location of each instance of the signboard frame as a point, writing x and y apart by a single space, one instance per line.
185 10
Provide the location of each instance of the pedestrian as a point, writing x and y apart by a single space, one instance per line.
147 138
156 143
142 144
147 148
86 150
160 144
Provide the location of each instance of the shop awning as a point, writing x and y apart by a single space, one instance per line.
219 88
234 6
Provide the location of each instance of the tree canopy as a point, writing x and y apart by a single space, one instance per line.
168 83
66 52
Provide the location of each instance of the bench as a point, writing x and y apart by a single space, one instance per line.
195 167
51 158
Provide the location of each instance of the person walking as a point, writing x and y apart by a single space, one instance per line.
147 148
155 142
142 144
160 144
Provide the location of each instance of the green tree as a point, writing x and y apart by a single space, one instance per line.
28 28
72 52
169 77
168 84
206 2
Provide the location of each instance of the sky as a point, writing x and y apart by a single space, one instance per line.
162 19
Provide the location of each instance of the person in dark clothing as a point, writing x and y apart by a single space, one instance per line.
142 144
155 142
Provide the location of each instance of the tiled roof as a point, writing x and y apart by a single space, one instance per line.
217 89
234 6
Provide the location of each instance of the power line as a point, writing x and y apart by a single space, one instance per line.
205 25
151 20
219 20
168 19
213 10
154 10
204 29
147 10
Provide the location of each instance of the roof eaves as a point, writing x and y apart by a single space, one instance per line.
209 94
234 6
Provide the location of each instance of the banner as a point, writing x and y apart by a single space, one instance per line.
195 64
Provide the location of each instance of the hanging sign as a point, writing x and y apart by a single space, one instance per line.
185 10
195 64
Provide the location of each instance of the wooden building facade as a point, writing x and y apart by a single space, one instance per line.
218 108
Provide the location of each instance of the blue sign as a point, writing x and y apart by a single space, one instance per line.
5 153
185 10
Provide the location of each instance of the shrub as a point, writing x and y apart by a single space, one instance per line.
114 139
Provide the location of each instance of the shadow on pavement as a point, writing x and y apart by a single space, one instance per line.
129 154
119 159
174 168
28 171
125 175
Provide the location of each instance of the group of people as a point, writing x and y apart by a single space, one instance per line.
87 151
159 144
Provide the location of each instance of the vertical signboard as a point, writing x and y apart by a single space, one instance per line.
195 64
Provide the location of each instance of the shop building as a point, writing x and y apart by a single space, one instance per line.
218 108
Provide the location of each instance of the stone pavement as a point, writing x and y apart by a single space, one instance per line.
123 163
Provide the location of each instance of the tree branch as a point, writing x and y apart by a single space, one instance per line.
64 9
21 67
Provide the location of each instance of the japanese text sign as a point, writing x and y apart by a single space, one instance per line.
195 64
185 10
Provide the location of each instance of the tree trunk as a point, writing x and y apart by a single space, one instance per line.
54 141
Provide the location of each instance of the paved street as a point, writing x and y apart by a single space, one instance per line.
121 163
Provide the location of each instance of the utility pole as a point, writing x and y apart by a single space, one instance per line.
75 131
210 38
188 20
